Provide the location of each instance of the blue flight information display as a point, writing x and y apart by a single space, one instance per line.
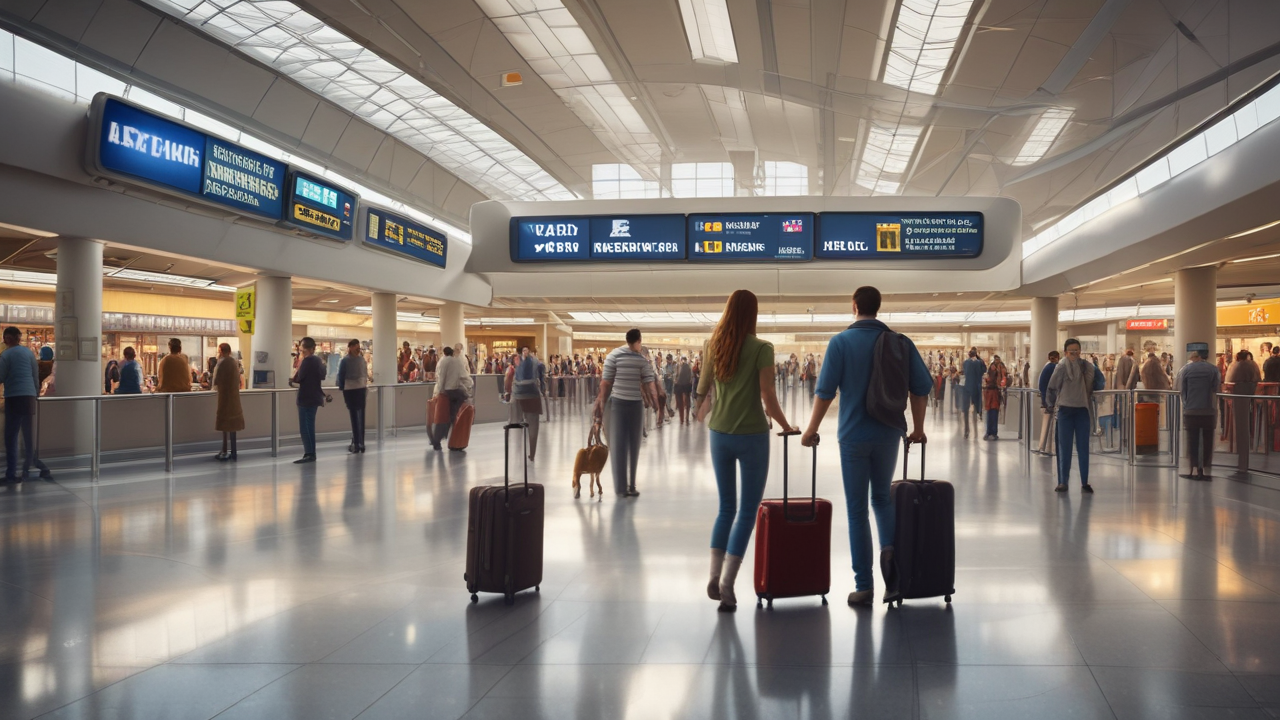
400 235
541 239
720 238
637 237
320 207
888 236
136 144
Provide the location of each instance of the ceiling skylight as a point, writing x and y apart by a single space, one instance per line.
886 156
160 278
546 35
710 33
339 69
923 40
701 180
616 181
1042 137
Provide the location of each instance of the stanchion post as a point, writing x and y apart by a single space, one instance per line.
275 423
168 433
95 463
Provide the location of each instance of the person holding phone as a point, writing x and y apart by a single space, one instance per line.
311 397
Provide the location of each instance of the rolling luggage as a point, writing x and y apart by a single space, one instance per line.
793 542
924 539
460 435
438 410
1146 427
504 532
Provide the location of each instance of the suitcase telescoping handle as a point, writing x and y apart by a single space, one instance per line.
506 458
813 487
906 450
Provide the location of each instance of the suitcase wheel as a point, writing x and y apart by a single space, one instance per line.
770 601
538 589
899 602
509 599
759 603
824 599
947 599
474 597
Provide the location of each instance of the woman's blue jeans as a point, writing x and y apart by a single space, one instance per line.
1073 422
737 518
307 428
868 466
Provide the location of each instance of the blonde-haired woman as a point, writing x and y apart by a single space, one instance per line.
741 367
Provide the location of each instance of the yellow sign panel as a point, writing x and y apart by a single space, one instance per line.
246 304
246 326
1254 314
712 246
315 217
888 237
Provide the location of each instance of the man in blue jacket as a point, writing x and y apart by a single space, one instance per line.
973 371
21 378
868 447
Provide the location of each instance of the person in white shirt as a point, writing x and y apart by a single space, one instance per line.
627 384
453 379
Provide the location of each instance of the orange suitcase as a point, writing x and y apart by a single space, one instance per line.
438 410
1146 421
460 435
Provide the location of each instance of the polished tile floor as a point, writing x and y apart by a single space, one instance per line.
269 590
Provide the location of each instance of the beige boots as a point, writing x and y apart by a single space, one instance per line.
729 601
717 562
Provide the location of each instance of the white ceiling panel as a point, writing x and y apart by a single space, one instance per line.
358 144
120 30
325 128
405 164
68 18
287 108
24 9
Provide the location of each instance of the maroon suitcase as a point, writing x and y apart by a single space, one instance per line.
504 532
793 542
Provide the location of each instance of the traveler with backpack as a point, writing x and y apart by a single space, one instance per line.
1071 389
875 371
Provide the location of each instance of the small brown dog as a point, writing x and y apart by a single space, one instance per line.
590 461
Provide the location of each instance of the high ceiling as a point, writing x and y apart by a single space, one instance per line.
1103 85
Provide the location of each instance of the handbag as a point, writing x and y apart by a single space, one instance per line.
590 461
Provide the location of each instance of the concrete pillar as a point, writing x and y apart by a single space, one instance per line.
384 339
452 329
544 346
273 339
1195 311
566 345
78 318
246 354
1044 332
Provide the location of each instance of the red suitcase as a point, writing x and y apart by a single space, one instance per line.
438 410
793 542
460 435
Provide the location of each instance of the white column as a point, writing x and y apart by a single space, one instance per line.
1195 310
1044 331
544 347
273 336
384 339
452 329
78 318
566 345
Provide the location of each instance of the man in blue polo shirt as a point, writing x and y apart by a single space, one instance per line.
868 447
973 370
20 376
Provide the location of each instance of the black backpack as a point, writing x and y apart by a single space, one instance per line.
890 372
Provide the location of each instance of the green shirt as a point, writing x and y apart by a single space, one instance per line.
738 409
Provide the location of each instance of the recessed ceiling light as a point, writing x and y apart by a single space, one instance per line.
331 300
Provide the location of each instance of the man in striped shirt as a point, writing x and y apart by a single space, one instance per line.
627 382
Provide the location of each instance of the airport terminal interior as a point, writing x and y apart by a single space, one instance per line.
640 359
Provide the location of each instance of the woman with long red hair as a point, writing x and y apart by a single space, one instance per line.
740 365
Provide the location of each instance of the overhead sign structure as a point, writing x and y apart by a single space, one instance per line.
720 238
399 235
887 236
637 237
130 143
320 207
540 239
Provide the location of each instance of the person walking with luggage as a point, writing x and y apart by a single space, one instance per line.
526 396
229 418
453 381
683 388
1199 383
973 371
175 370
740 366
1071 389
868 446
353 383
627 384
20 375
311 397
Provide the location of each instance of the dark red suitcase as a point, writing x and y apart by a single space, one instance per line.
793 542
504 532
924 537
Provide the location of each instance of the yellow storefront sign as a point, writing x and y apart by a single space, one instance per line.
307 215
1246 315
246 326
246 304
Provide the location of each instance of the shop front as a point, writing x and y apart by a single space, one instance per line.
1248 327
